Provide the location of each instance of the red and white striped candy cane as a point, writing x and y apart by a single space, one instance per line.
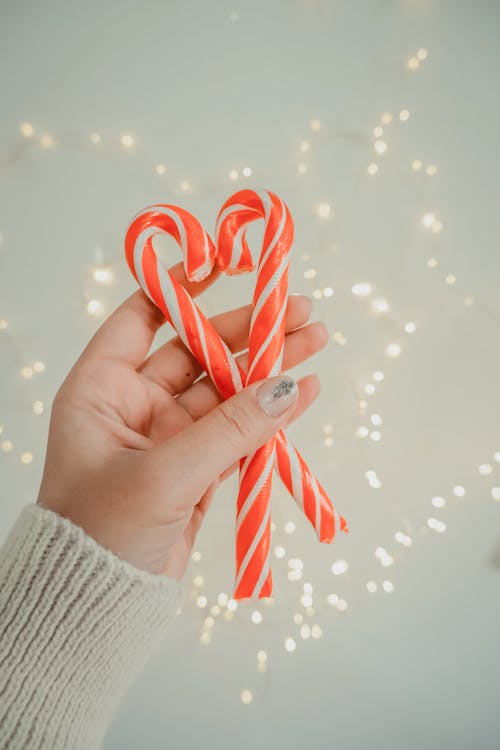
265 352
196 331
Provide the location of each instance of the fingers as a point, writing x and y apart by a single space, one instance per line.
174 368
309 389
299 346
198 455
128 333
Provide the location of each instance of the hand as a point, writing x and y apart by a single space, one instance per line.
137 448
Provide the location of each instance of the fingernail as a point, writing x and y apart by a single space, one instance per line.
277 394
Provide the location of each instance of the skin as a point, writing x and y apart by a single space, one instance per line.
127 427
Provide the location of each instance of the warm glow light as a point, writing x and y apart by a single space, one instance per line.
495 493
27 372
46 141
289 527
459 491
246 697
256 617
324 210
247 172
372 168
37 407
380 305
485 469
428 219
185 186
339 567
233 174
413 63
94 307
339 338
416 165
403 539
201 602
103 275
438 502
26 457
371 586
380 147
315 125
127 140
436 525
7 446
160 169
95 138
290 644
410 327
388 586
362 289
305 146
422 53
27 129
431 170
393 350
404 115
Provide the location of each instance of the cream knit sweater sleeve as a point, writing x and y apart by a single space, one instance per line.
76 625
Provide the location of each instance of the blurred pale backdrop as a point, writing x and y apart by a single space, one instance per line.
378 123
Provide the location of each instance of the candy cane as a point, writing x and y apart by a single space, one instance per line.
195 331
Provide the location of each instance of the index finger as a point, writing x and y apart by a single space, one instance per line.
126 336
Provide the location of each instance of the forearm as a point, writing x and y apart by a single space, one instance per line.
76 625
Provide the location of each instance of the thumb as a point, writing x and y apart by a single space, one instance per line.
198 455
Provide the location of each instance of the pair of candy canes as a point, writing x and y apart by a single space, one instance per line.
265 353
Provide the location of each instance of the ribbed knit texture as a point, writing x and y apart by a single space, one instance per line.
76 625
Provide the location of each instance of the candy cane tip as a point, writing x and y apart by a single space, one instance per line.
200 273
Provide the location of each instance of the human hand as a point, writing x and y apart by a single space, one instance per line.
137 448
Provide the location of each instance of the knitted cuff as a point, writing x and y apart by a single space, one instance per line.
76 625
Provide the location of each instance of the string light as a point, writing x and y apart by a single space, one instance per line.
364 289
339 567
103 275
436 525
393 350
27 129
94 307
127 140
38 408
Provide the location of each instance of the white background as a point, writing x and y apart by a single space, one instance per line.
206 87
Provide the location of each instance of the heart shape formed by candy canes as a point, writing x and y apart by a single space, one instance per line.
265 352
